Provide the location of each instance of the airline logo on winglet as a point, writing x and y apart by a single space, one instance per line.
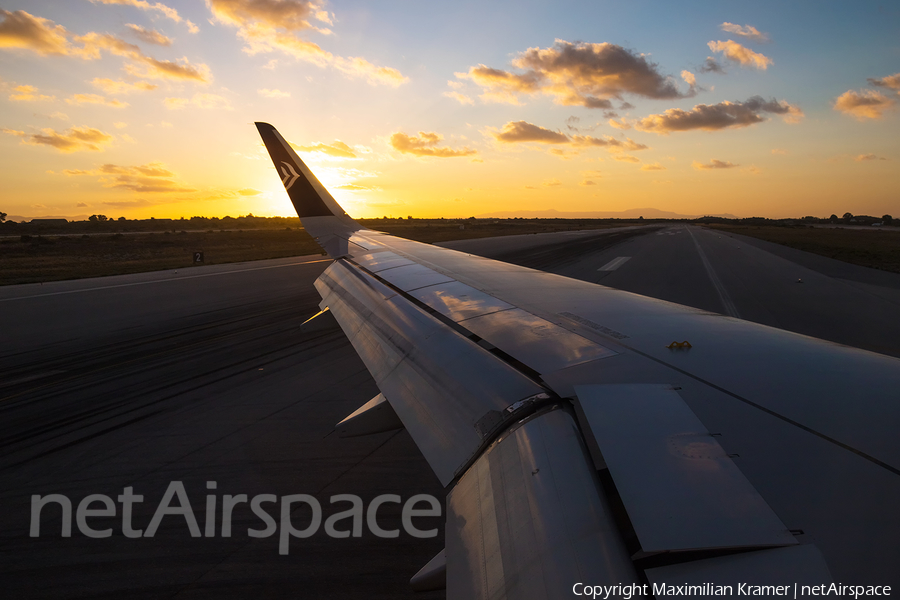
290 175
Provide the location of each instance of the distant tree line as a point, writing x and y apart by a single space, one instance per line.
97 223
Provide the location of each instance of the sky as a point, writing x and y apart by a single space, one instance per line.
143 109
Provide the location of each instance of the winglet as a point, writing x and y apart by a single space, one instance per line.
320 214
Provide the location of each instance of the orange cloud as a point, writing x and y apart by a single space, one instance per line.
28 93
73 140
865 104
273 93
23 30
576 74
338 149
461 98
516 132
867 157
150 36
79 99
204 101
292 15
149 178
426 145
740 54
748 32
167 11
714 164
267 26
891 81
122 87
724 115
628 158
521 131
653 167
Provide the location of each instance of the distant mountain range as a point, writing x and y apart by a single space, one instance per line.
632 213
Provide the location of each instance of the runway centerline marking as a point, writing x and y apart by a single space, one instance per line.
121 285
730 309
614 263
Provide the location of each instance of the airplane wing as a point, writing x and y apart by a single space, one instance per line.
580 446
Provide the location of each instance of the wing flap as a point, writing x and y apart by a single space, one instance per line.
680 488
528 519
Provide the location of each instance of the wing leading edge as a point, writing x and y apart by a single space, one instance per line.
510 382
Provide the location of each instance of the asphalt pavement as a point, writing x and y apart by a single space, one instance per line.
204 375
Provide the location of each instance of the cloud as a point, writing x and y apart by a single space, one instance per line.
740 54
338 149
724 115
653 167
748 32
610 143
628 158
587 182
143 202
426 145
866 157
551 182
355 187
518 132
712 66
204 101
521 131
149 178
502 86
72 140
689 78
461 98
891 81
360 67
273 93
620 124
22 30
714 164
150 36
81 205
79 99
166 11
249 192
576 74
273 25
865 104
779 151
28 93
292 15
122 87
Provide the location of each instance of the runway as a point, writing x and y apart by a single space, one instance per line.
203 375
195 376
725 273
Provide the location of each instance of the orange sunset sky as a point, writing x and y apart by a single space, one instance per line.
137 108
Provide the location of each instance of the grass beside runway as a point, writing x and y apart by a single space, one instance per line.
876 248
33 258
